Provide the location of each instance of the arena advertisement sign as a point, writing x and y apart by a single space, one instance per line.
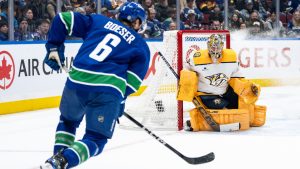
7 70
23 75
267 59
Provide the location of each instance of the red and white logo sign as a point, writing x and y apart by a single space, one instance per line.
191 49
7 70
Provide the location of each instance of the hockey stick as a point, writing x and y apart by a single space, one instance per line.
205 114
191 160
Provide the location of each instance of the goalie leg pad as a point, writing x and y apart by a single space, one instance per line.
197 121
257 113
259 116
225 116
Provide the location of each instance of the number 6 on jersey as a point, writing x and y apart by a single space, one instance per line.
103 49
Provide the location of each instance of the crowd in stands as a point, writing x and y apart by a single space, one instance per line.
32 18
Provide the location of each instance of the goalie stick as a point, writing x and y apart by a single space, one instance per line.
191 160
205 114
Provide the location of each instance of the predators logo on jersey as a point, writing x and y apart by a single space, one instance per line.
217 79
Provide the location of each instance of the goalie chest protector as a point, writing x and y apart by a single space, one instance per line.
213 77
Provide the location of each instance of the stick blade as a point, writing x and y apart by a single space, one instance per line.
200 160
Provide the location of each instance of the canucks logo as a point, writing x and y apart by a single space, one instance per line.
217 79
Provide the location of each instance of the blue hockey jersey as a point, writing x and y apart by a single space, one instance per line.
112 58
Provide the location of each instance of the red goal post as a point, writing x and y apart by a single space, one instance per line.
156 106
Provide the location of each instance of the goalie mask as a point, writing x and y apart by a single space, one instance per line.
215 46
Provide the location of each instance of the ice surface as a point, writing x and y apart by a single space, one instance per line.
27 138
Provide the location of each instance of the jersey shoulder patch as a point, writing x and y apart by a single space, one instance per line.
201 57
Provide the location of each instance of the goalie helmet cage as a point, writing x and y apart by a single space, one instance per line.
155 104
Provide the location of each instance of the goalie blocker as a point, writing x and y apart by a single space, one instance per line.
247 115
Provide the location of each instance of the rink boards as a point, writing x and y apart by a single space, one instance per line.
27 84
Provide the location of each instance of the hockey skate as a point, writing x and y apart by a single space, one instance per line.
44 166
187 126
57 161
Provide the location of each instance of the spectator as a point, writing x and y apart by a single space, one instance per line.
172 2
191 23
295 4
172 18
183 4
90 8
30 19
172 26
162 12
38 8
80 10
254 17
3 31
104 3
246 12
18 10
146 4
4 13
104 11
232 7
284 6
2 18
216 13
239 4
154 27
191 6
117 3
216 24
22 33
206 6
255 30
294 25
21 3
243 26
108 13
260 5
267 5
66 5
77 3
220 3
51 8
272 26
42 31
235 22
257 5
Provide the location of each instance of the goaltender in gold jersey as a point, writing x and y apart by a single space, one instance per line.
213 78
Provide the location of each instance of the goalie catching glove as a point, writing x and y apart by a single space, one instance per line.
55 56
245 89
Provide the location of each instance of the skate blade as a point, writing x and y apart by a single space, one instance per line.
43 166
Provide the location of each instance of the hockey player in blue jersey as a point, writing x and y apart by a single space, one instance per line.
110 64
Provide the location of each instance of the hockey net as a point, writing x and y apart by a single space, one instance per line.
155 104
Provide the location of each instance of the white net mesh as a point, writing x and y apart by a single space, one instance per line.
156 107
